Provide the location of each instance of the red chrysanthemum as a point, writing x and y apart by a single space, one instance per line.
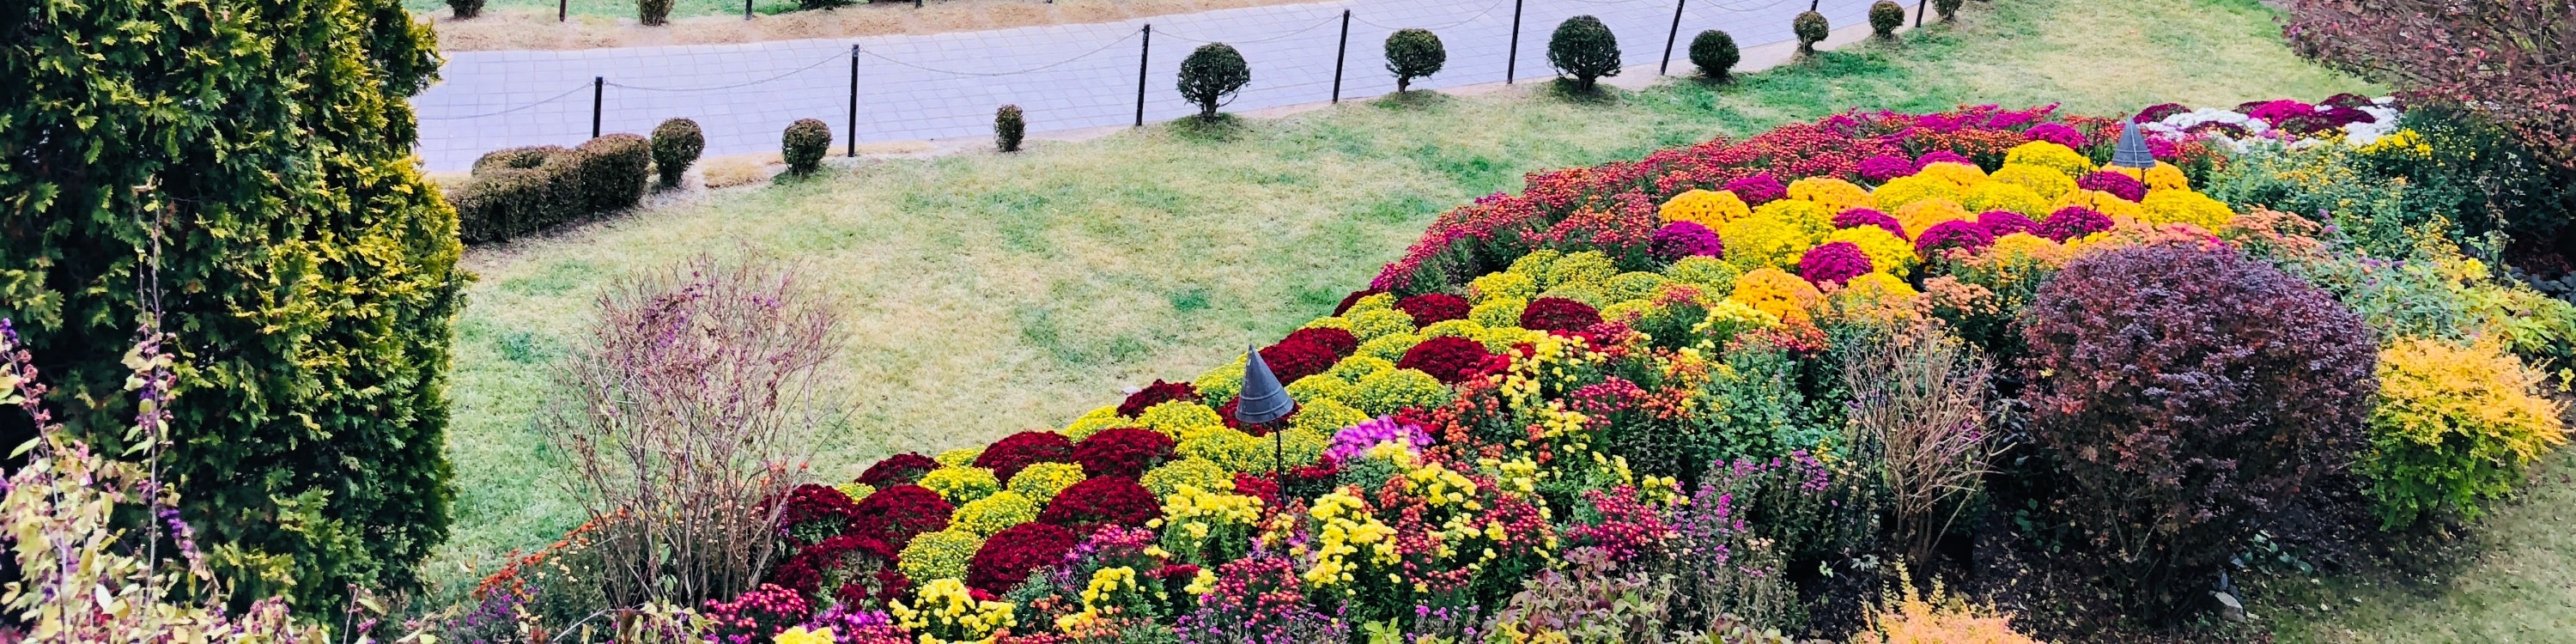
805 569
1294 359
1023 449
1451 359
1558 314
1007 558
1352 299
899 469
1123 451
1339 341
897 514
814 513
1429 308
1155 394
1099 501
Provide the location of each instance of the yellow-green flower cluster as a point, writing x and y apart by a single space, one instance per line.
1220 383
939 555
1395 390
1998 195
1505 285
1180 419
1589 293
960 457
1586 267
1887 252
1499 312
1760 241
2047 182
1193 472
1378 323
1958 175
1714 277
947 612
1192 515
1635 285
2102 202
988 515
1773 291
1901 191
962 484
1323 417
2066 161
1041 481
2183 206
1106 417
856 490
1358 367
1319 387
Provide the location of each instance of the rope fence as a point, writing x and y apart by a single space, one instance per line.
914 87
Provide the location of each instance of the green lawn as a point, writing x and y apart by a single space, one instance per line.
991 294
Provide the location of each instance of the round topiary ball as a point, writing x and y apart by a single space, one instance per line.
1715 54
1212 74
1009 128
2186 392
676 144
804 145
1413 53
1585 49
1811 28
1949 9
1884 17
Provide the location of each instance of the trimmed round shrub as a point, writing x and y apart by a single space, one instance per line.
1353 299
1448 359
676 145
1041 481
1125 451
1294 359
1558 314
1585 49
1433 308
653 13
897 514
804 144
1010 555
1413 53
1949 9
1884 17
1834 263
465 9
2186 392
938 555
1715 54
1177 419
1010 127
1158 393
2071 222
1102 500
899 469
1007 456
985 516
960 457
1339 341
2454 428
962 484
1211 75
1811 28
1678 239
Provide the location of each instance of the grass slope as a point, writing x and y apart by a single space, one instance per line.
992 294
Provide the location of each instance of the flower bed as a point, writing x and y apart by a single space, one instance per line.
1644 396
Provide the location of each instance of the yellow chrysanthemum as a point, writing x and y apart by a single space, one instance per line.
1923 215
2186 207
2048 182
1755 242
1711 208
2045 154
1880 284
1997 195
1808 215
1774 291
2026 248
1886 251
2101 202
1903 191
2162 177
1504 285
1835 195
1959 175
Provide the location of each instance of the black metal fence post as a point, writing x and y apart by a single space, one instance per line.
746 9
1142 54
1512 55
1918 12
562 7
1666 66
854 101
1342 55
598 86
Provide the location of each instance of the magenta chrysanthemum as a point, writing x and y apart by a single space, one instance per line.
1952 234
1884 167
1834 263
2057 133
1761 188
1940 156
1999 223
1858 217
2071 222
1679 239
2119 185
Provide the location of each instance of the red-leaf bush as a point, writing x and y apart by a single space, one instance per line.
899 469
1451 359
897 514
2186 392
1429 308
814 513
1155 394
1005 457
1291 360
1558 314
1007 557
1123 451
1341 342
2506 59
1102 500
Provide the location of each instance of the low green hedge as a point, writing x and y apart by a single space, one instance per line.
517 191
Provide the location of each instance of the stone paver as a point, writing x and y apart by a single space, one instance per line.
914 87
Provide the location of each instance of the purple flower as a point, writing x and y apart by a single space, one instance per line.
2057 133
2071 222
1858 217
1883 167
1681 239
1952 234
1836 263
1938 156
1761 188
1355 440
2119 185
2155 113
1999 223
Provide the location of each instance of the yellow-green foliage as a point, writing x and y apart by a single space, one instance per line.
1328 323
1936 618
1220 383
2454 427
1998 195
1502 338
960 457
1586 267
1534 264
1104 417
2049 155
2047 182
938 555
1318 387
991 514
1714 277
1806 215
1378 323
1625 310
1179 418
1194 471
1898 192
1498 313
1326 416
1372 302
1357 367
1392 391
1390 348
1504 285
1041 481
1632 286
1588 293
961 484
1453 329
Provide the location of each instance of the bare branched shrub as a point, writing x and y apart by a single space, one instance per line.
684 413
1921 398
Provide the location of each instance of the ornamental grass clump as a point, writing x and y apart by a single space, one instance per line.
1413 53
1585 49
2186 392
2454 428
1715 54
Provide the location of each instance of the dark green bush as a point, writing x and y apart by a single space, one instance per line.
1413 53
307 269
1211 75
676 145
810 5
1584 48
1715 54
1009 128
466 8
1949 9
1811 28
1884 17
518 191
2187 392
804 144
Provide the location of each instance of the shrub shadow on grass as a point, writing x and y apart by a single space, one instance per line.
1225 128
1413 101
1601 94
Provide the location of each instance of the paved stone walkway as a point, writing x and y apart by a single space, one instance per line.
1064 77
